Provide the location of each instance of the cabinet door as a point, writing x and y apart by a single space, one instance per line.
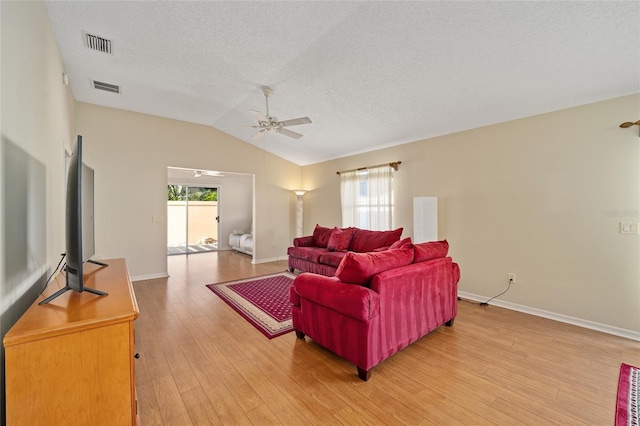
78 378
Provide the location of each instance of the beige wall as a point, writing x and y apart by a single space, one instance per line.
37 120
202 222
536 197
130 153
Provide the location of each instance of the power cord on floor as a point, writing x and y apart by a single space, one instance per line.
497 295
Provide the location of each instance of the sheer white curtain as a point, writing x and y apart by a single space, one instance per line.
367 198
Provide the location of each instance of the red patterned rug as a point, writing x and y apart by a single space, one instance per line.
628 394
263 301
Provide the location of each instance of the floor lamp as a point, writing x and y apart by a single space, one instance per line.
299 193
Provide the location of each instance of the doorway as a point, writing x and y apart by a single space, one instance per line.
192 219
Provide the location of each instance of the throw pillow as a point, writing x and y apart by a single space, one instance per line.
359 268
430 250
321 236
339 239
400 243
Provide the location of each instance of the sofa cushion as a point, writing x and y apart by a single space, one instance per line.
312 254
321 235
430 250
359 268
340 239
332 258
365 240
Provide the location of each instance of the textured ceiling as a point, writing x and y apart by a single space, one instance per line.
369 74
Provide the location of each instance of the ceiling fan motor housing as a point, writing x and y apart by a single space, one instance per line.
268 91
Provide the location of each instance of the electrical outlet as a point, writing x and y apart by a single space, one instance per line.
511 277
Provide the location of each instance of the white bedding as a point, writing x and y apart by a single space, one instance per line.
241 242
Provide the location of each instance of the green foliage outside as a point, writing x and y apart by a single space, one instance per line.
179 193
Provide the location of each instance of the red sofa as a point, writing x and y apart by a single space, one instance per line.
378 303
322 252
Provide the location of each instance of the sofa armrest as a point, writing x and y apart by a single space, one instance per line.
307 241
352 300
426 290
456 273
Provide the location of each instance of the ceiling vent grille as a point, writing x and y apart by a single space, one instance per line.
106 87
97 43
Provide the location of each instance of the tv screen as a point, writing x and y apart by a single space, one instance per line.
74 219
88 246
79 223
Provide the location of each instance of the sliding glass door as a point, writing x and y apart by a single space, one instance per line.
192 219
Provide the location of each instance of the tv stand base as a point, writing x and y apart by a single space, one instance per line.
67 288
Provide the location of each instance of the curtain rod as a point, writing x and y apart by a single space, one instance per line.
394 164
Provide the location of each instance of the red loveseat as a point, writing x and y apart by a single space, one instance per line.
322 252
378 303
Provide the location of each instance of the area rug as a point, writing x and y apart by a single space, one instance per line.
263 301
628 392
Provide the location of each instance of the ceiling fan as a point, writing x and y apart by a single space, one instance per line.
198 173
267 123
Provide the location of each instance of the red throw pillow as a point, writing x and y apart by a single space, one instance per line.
400 243
340 239
430 250
321 236
359 268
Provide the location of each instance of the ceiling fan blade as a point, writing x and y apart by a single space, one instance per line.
259 116
296 121
258 135
289 133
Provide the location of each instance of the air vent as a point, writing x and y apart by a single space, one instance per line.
98 43
106 87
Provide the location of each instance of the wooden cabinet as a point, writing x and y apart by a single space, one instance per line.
71 362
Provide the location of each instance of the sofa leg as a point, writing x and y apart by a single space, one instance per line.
291 270
449 323
299 334
364 374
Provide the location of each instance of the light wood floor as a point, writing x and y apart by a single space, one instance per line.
201 363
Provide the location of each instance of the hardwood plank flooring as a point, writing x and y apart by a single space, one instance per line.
202 364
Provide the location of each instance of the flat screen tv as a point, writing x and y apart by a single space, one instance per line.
79 226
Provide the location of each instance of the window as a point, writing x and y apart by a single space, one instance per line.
367 198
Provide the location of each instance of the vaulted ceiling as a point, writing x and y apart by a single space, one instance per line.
368 74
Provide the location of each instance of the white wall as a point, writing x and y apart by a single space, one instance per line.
536 197
130 153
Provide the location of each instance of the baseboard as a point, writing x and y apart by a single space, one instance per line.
149 277
609 329
270 259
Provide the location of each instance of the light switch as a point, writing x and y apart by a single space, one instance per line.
629 228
